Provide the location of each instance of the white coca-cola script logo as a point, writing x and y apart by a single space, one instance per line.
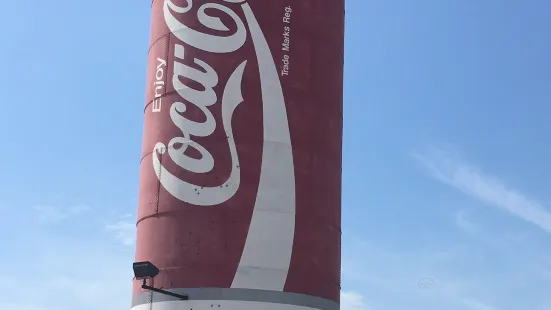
265 260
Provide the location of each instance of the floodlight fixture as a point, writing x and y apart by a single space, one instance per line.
146 270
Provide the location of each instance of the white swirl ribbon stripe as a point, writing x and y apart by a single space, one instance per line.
266 256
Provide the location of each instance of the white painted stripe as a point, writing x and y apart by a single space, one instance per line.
219 305
267 253
239 294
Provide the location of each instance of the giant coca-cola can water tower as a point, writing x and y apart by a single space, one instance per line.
240 180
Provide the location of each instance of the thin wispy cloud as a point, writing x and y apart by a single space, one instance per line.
124 231
465 223
21 306
497 239
54 214
80 264
474 304
394 278
352 301
488 189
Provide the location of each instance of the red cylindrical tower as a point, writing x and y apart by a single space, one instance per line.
240 184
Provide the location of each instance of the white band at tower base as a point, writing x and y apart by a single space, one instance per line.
219 305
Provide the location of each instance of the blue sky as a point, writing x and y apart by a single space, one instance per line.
446 153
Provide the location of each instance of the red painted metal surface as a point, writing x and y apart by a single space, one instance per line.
196 232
